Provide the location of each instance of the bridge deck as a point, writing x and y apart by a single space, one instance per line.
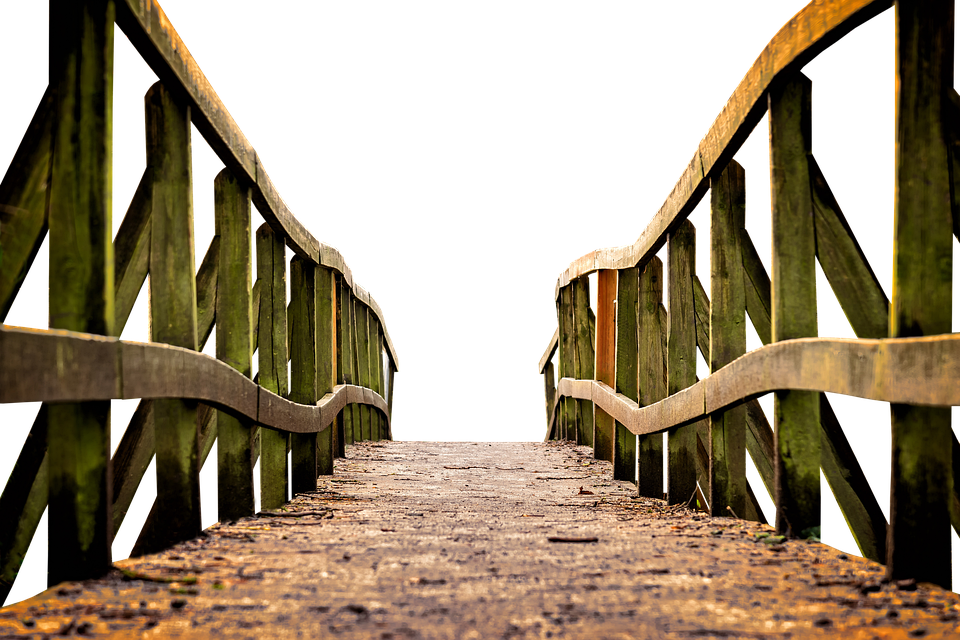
453 540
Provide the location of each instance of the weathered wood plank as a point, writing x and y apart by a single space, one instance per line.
355 348
23 203
683 335
381 420
81 278
390 399
756 284
567 359
606 362
728 338
303 368
347 371
363 362
628 350
585 356
272 360
131 251
650 368
794 302
340 437
326 359
844 264
23 500
921 476
550 350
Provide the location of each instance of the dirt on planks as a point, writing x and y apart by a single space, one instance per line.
487 540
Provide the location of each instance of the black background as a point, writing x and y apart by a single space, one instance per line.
460 159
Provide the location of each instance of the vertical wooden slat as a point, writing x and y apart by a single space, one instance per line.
794 300
652 386
549 391
390 380
234 342
728 339
326 360
681 359
303 368
272 360
346 358
354 338
342 361
81 277
606 360
378 357
584 356
363 360
628 353
921 477
567 359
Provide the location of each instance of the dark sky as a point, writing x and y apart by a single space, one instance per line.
458 158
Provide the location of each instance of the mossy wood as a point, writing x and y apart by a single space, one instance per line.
303 368
921 475
363 362
567 361
326 359
628 349
728 339
347 370
650 375
794 304
585 357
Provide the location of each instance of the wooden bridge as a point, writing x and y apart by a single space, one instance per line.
626 376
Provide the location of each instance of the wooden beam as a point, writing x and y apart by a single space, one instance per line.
728 338
81 278
650 375
326 359
606 362
23 203
131 251
794 302
921 475
683 332
363 362
628 350
585 356
347 371
303 366
341 364
567 360
272 360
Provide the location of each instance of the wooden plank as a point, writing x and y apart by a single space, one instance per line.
355 348
347 371
234 343
23 500
584 359
81 278
628 350
131 251
23 203
605 369
326 358
652 386
682 339
849 485
272 360
921 473
363 362
567 359
550 350
303 368
131 459
549 391
756 284
390 399
728 338
844 264
794 302
340 436
381 419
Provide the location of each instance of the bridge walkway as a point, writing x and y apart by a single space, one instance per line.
487 540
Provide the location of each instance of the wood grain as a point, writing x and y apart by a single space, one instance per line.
650 378
606 372
628 350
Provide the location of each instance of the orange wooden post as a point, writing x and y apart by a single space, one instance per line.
606 359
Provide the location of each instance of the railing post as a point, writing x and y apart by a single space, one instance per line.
794 302
81 278
326 361
628 355
567 357
390 380
921 475
651 371
606 368
549 396
173 313
363 360
272 360
681 359
346 370
728 339
355 347
303 368
585 357
234 343
378 358
341 435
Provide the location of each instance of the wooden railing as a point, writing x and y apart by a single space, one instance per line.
631 371
331 332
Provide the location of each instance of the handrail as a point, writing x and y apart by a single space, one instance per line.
811 31
152 34
893 370
57 366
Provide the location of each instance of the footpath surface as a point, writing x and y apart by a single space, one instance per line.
465 540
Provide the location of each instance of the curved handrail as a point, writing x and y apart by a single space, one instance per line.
920 371
812 30
152 34
66 366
